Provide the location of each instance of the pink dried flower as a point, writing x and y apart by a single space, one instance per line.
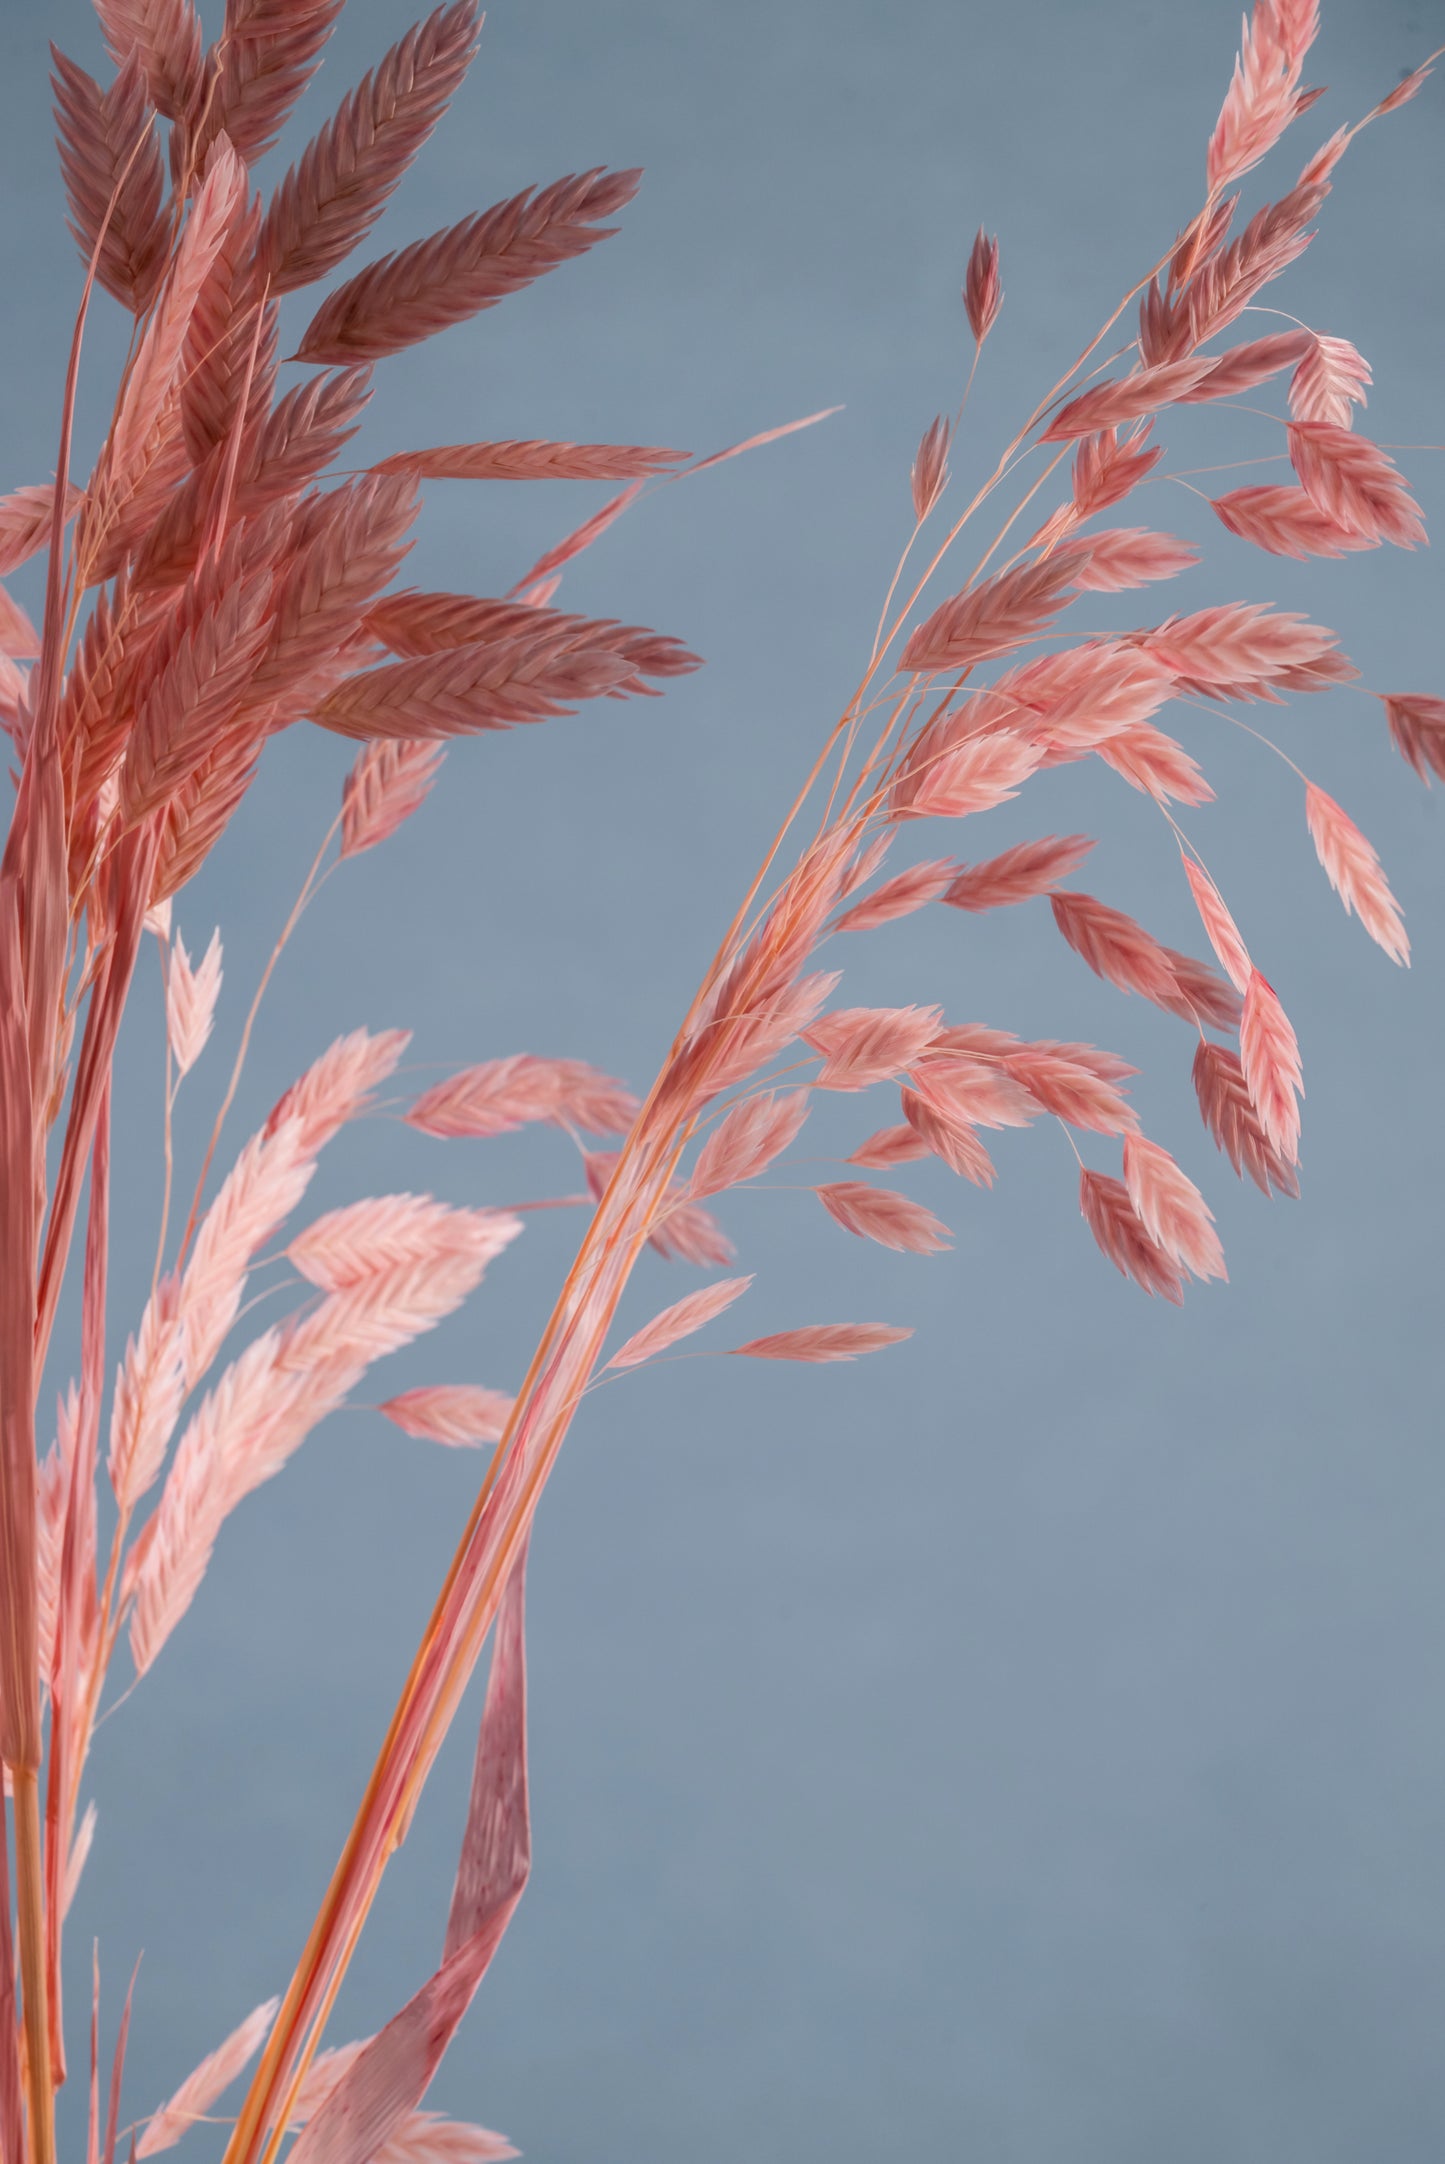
1417 730
823 1341
1354 483
1269 1055
455 1413
930 468
191 996
982 292
864 1045
1121 1234
679 1321
1171 1208
879 1213
747 1140
1329 382
1353 870
900 895
1225 1107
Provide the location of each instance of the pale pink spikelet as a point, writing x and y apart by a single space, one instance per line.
1269 1057
1219 924
989 619
191 995
1264 95
1225 1108
1244 367
388 781
1287 522
1329 382
500 1094
975 776
930 468
1171 1208
888 1147
390 1232
1155 764
881 1214
456 1413
425 2137
338 1086
949 1138
679 1321
900 895
1354 483
1126 398
864 1045
1245 650
982 292
1114 946
1353 870
150 1387
200 2089
1018 874
1106 468
266 1403
1417 730
1408 87
266 1183
972 1092
1120 1233
823 1341
25 521
1126 556
1065 1079
747 1140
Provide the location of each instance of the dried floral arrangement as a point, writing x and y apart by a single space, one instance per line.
221 576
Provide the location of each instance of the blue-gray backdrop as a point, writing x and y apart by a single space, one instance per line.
1028 1745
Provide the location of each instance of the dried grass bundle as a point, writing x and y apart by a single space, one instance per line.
214 582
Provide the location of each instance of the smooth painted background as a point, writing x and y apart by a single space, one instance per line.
1025 1746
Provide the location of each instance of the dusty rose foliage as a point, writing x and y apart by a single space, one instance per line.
217 577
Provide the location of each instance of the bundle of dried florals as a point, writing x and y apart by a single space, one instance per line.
218 577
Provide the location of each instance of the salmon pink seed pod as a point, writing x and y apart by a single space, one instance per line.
881 1214
1219 924
1269 1055
459 1414
982 292
1353 870
1171 1208
1121 1234
1417 731
930 468
823 1341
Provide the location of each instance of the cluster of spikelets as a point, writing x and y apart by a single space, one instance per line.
219 582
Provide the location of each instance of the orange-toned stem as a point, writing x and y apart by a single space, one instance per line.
30 1917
